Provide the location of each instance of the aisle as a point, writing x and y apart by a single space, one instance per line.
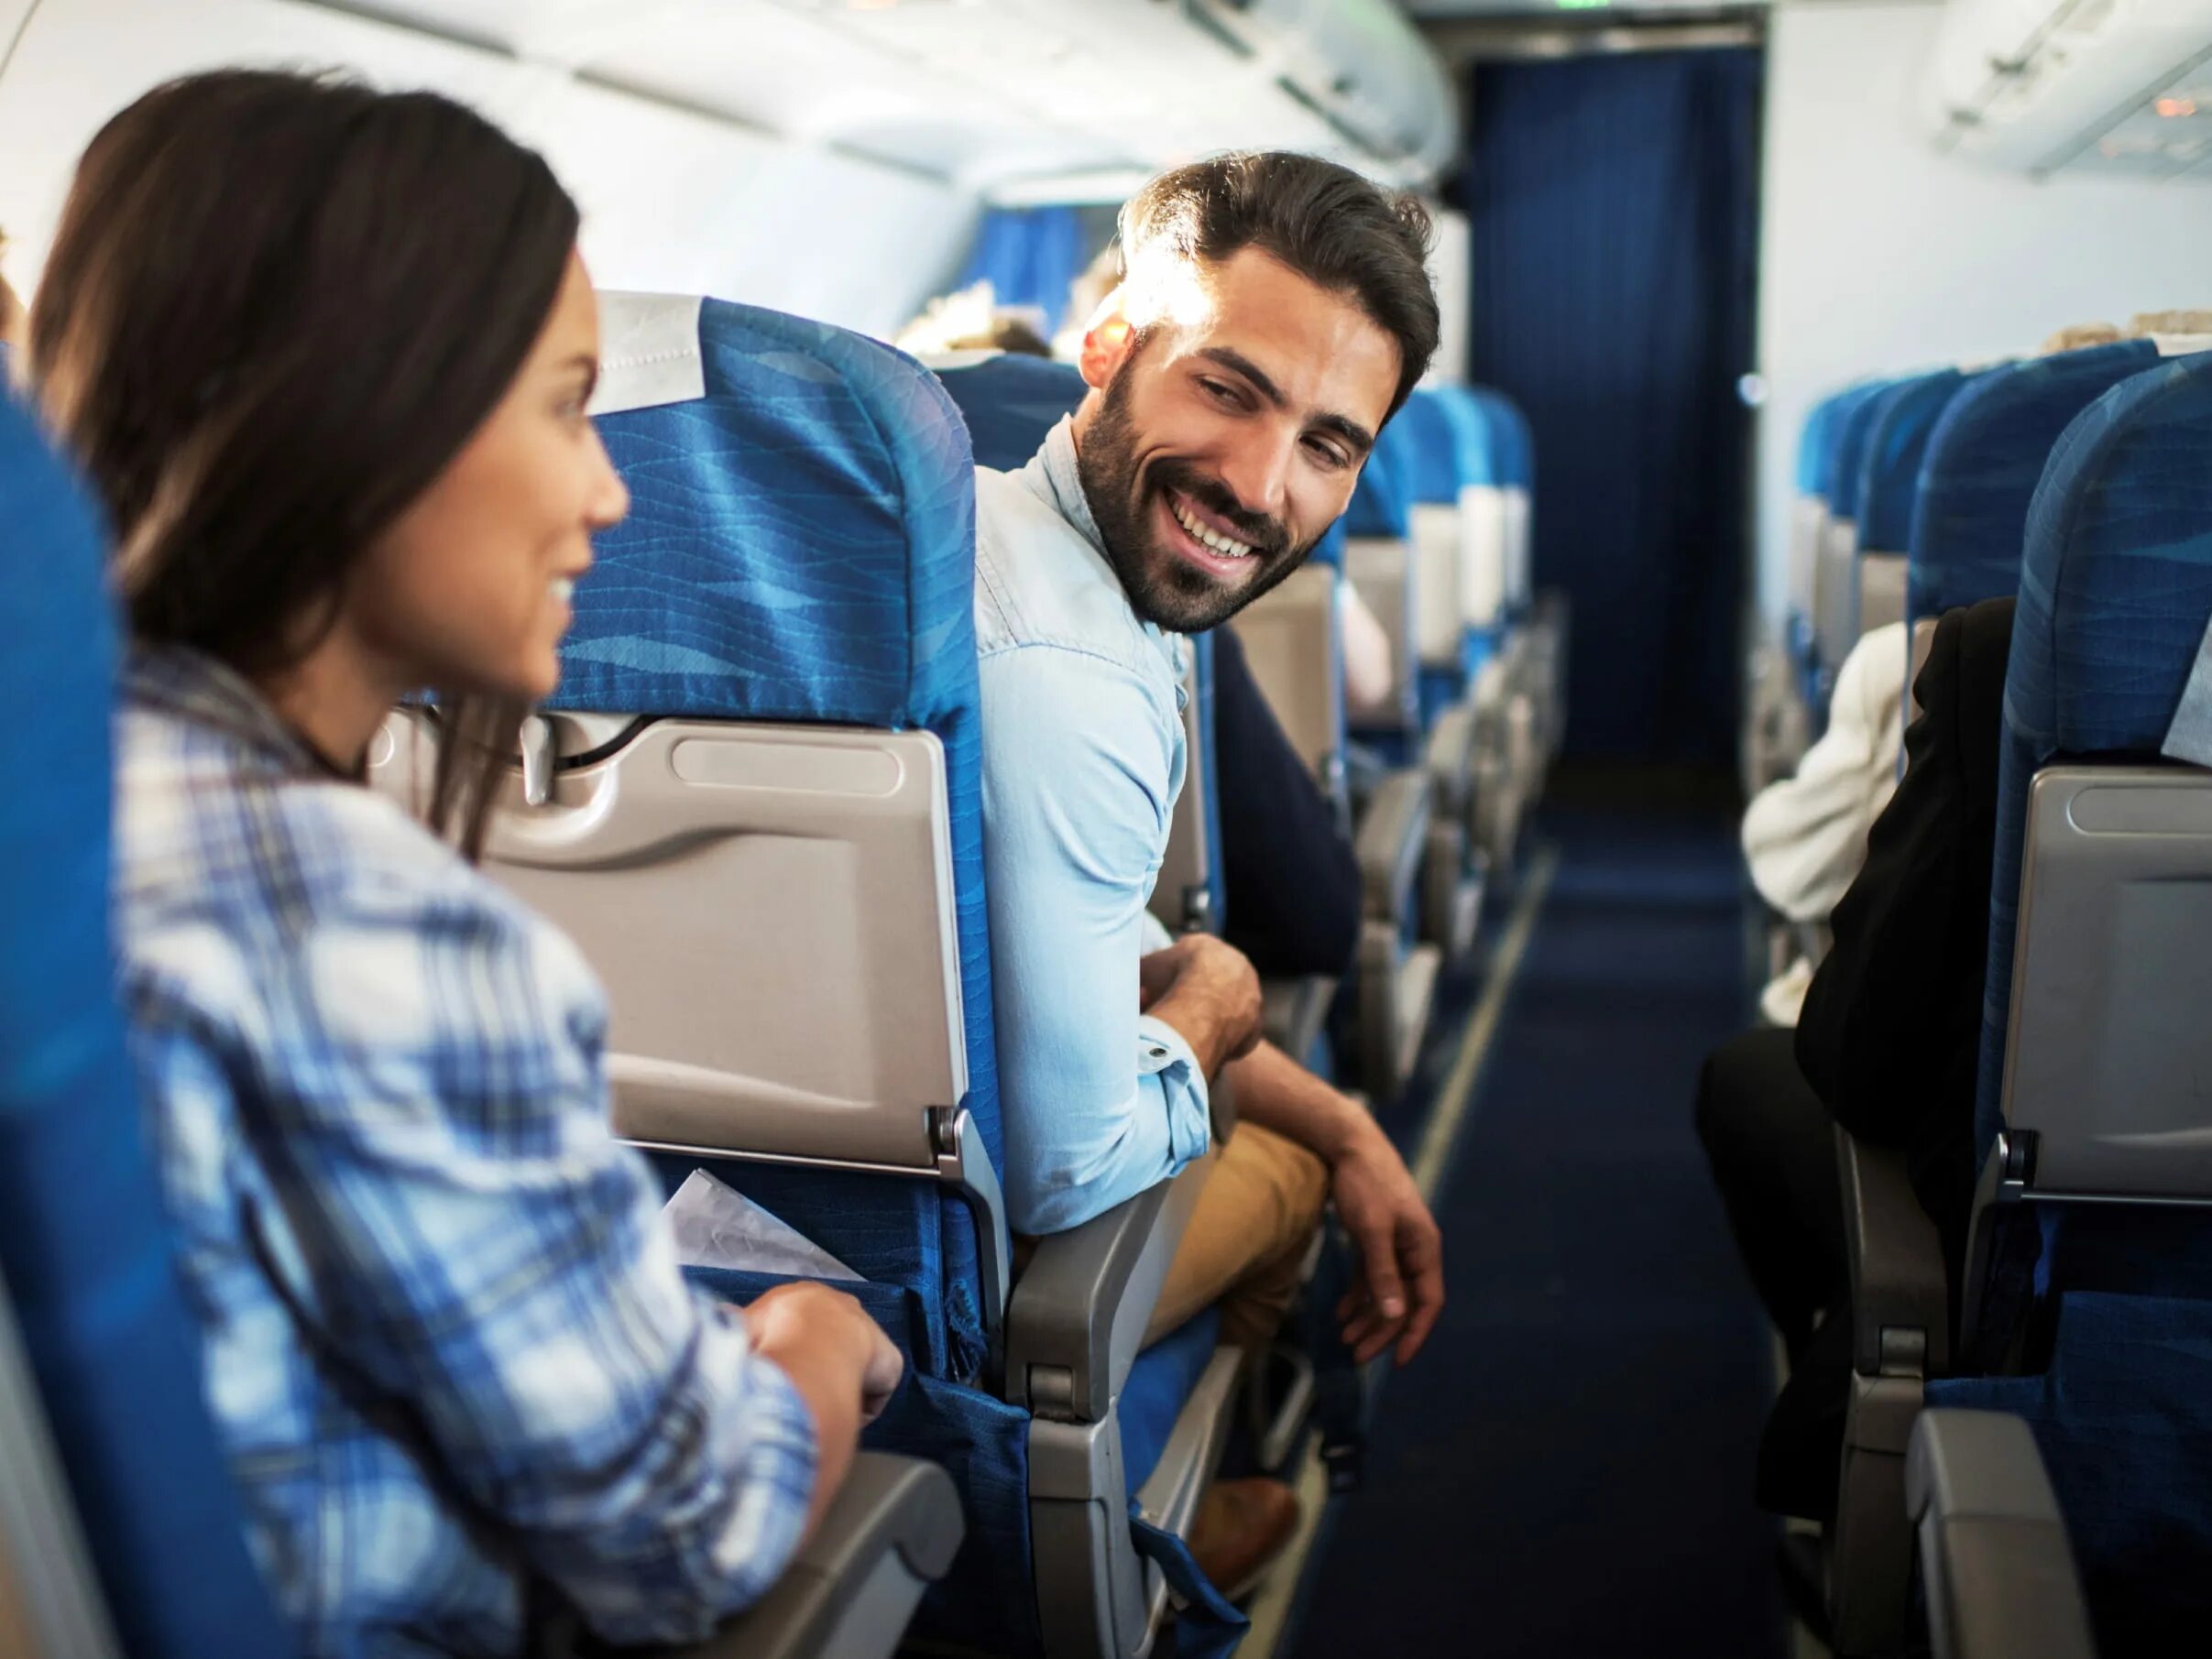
1566 1470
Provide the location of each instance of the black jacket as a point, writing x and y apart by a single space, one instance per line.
1891 1034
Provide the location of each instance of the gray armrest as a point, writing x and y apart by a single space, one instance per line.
891 1531
1901 1300
1079 1311
1997 1571
1390 841
1296 1010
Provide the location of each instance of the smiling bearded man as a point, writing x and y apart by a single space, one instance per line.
1275 311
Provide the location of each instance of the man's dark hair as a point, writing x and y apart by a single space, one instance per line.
1324 222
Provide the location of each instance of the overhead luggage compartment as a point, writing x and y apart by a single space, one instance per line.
2107 86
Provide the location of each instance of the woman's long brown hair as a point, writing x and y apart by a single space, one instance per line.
278 306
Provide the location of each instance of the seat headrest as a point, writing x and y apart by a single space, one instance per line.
1511 444
1889 476
1010 402
2116 589
801 539
1984 461
1382 499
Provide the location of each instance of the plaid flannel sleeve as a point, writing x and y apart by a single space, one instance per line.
484 1250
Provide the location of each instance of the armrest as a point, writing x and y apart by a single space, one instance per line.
1389 843
1999 1574
1077 1314
1295 1011
1900 1302
892 1529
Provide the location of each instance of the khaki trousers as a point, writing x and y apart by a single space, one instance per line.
1246 1240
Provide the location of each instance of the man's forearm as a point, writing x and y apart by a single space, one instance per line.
1275 1092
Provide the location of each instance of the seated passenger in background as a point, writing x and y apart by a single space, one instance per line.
1275 313
1291 878
325 354
1805 835
1886 1046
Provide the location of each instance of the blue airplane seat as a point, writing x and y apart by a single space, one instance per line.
2107 1306
1890 471
797 568
1983 462
1889 474
1010 401
100 1365
800 547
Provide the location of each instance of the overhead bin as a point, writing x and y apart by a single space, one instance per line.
2107 86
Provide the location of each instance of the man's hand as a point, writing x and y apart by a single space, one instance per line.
1208 992
817 1319
1401 1291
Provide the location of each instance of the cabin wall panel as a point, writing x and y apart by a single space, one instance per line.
672 200
1878 254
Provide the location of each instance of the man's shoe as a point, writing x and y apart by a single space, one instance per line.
1241 1527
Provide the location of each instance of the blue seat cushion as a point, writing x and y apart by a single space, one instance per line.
2119 1416
1159 1384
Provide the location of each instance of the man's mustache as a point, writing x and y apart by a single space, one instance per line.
1261 532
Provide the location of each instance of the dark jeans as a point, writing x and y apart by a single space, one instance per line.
1771 1146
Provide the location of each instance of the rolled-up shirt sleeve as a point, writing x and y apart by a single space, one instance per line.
1078 782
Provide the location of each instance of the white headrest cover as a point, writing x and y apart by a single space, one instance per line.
649 352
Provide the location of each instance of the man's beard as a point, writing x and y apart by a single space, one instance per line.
1164 587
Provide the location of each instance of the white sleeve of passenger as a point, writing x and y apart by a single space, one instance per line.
1805 836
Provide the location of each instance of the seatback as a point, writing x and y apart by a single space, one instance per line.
1010 403
1512 450
1888 486
2090 1271
1437 523
1983 462
1809 512
2116 590
1412 592
101 1388
1835 586
765 826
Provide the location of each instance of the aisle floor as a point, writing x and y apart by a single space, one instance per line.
1566 1470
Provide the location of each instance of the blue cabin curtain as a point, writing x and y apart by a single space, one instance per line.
1030 255
1614 206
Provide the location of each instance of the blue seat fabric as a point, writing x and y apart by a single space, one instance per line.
2115 590
1889 474
84 1249
800 547
1984 461
1010 402
2111 1305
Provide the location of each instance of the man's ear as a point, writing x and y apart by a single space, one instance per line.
1106 341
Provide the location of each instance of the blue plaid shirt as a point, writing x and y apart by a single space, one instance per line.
458 1374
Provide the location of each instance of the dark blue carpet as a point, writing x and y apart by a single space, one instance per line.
1567 1469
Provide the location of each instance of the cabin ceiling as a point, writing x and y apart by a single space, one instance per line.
981 92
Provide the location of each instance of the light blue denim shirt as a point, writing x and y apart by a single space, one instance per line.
1082 759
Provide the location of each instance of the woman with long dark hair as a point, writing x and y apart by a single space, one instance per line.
325 355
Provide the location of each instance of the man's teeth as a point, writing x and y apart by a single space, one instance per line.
1206 536
564 588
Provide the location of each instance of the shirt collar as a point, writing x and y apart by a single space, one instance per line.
194 686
